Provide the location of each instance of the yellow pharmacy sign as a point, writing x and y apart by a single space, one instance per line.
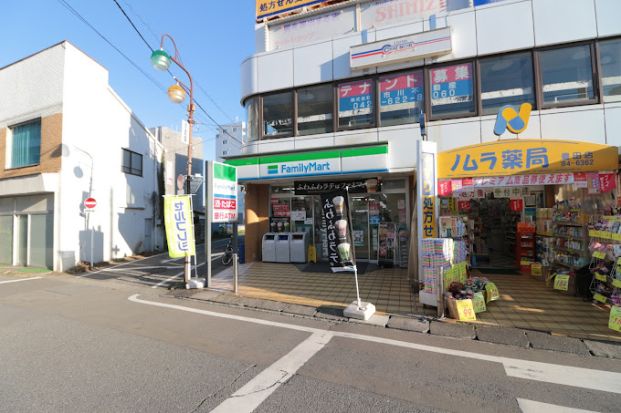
526 156
179 223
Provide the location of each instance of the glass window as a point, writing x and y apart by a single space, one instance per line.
356 104
401 97
452 90
277 115
26 144
315 110
224 141
252 117
566 75
506 80
132 162
610 63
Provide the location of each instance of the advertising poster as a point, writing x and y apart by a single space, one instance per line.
451 84
179 223
355 98
401 92
340 248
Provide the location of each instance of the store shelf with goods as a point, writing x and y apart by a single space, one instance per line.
605 265
525 246
571 240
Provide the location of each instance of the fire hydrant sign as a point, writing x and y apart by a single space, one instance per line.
224 193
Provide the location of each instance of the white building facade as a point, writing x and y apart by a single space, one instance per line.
66 136
336 93
230 139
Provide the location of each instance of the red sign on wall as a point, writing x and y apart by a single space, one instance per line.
445 188
516 205
223 203
607 182
463 205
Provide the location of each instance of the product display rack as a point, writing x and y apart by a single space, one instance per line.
605 265
525 245
571 239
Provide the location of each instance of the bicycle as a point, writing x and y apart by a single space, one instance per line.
227 258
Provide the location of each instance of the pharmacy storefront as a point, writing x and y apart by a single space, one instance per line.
293 185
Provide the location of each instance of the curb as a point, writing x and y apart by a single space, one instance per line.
514 337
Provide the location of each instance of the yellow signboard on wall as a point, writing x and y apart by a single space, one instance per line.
526 156
270 8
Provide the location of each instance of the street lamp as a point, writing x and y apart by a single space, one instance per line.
160 59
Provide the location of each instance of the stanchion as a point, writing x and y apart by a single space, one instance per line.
235 275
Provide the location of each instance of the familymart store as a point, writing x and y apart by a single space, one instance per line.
283 194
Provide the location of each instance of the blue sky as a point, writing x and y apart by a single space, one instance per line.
213 37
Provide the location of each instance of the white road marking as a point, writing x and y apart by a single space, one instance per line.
120 265
20 280
167 280
549 373
567 375
164 267
531 406
253 393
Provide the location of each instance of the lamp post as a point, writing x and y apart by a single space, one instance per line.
160 60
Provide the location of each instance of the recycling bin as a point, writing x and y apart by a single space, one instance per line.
283 247
268 247
299 247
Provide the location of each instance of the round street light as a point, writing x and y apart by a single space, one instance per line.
176 93
160 59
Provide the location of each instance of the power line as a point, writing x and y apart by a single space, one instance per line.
83 19
133 25
213 101
156 38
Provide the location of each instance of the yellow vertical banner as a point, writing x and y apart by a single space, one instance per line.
179 223
429 217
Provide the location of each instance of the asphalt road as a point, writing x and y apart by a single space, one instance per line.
160 270
76 344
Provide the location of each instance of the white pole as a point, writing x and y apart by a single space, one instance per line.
208 218
92 230
357 290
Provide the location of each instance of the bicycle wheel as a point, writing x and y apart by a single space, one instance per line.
227 258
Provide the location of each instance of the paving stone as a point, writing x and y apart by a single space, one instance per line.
330 313
205 295
271 305
600 349
250 302
544 341
419 325
225 298
299 310
375 320
499 335
442 328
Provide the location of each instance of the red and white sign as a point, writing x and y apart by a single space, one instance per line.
607 182
222 203
90 203
516 205
463 205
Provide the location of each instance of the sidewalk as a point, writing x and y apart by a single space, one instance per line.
416 324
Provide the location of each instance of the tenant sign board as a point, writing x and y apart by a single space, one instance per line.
400 49
271 8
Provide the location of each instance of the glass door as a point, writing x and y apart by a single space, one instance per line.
360 227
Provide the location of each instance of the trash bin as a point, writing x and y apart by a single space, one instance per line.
268 247
283 247
299 247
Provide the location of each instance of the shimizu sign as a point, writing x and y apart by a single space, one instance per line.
363 159
526 156
400 49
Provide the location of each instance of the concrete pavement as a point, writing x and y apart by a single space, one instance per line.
74 344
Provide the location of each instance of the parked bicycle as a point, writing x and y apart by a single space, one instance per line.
227 258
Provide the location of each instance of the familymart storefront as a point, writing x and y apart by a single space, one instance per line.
283 194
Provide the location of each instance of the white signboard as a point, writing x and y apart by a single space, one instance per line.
312 29
400 49
224 193
388 12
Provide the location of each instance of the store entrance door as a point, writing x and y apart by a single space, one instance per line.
360 227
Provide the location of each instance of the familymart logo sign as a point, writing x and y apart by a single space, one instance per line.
304 168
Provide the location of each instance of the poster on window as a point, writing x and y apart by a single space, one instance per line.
355 98
401 92
451 84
